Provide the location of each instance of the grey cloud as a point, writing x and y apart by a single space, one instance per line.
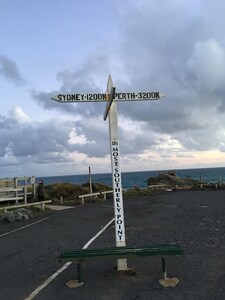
45 101
78 81
167 46
40 142
9 70
208 64
96 133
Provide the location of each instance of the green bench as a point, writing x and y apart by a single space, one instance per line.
79 256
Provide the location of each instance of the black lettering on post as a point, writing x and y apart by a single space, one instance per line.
60 97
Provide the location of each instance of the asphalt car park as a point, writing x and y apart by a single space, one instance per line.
193 219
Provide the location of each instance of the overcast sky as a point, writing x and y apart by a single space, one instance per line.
48 47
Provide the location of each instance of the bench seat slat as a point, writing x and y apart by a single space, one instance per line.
86 254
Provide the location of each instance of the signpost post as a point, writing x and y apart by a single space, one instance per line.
111 98
111 109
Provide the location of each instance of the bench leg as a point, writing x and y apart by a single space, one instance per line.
75 283
164 268
165 281
79 272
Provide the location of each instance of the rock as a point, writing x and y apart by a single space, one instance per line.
171 180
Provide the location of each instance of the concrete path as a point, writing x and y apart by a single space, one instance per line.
59 207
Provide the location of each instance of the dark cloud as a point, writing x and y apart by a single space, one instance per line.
9 70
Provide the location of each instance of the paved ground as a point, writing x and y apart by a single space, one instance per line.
193 219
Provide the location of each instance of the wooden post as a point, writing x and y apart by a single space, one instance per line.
25 194
16 187
90 182
220 180
32 180
61 199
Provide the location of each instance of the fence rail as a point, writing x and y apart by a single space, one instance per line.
104 193
41 203
157 186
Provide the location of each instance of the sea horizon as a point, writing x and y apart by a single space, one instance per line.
138 178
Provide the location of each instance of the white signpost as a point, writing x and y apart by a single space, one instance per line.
111 97
111 110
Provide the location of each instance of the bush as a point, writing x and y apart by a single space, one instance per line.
20 214
66 190
71 192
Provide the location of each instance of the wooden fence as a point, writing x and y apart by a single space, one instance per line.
17 189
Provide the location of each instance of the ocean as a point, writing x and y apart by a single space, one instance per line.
130 179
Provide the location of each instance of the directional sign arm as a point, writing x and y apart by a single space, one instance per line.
104 97
55 99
